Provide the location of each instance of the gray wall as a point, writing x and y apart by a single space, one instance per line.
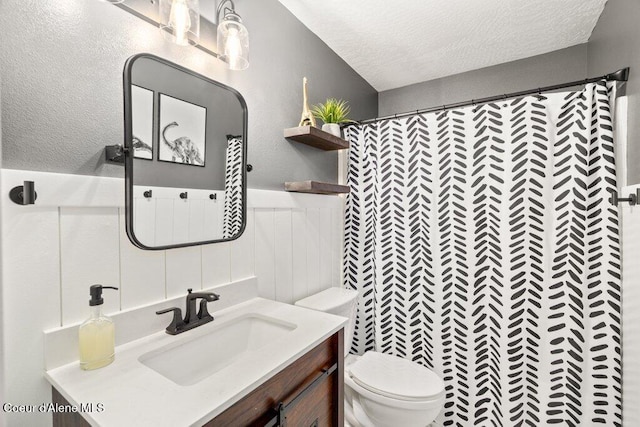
614 44
542 70
61 64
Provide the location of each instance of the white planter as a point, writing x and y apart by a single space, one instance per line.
332 128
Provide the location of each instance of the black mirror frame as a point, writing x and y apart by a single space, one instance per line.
128 152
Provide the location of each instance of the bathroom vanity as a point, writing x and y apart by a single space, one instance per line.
260 362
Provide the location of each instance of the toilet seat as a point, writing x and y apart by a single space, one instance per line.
374 402
395 378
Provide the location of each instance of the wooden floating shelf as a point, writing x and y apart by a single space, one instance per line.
316 187
315 137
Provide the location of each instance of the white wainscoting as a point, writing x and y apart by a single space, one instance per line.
166 218
74 237
630 235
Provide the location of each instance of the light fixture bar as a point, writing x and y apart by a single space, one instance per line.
148 12
234 51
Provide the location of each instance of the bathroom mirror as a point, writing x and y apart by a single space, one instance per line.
185 156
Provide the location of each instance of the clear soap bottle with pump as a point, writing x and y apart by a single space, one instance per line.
96 336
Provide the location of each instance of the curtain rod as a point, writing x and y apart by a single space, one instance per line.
621 75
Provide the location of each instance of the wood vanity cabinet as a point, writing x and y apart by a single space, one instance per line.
321 405
311 389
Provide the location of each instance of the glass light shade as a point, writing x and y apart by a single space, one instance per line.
180 21
233 42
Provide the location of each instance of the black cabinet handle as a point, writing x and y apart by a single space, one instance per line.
280 418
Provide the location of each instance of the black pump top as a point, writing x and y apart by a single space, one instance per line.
96 294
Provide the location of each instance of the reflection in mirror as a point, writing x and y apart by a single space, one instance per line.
185 141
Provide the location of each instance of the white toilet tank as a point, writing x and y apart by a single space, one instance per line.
338 301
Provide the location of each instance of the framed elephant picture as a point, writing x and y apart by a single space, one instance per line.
142 112
182 132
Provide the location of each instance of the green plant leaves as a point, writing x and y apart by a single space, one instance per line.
332 111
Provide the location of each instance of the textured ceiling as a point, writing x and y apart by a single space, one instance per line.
394 44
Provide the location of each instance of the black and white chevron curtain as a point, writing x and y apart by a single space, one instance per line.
483 246
232 214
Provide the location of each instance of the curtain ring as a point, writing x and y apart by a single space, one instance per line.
541 97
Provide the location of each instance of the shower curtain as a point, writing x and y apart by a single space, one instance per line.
483 246
233 209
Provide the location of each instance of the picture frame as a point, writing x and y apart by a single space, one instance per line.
182 132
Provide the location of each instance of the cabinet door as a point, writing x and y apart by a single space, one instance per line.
323 405
65 419
317 408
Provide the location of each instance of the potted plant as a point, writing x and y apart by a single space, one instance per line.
332 113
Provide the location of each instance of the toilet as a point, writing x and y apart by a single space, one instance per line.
381 390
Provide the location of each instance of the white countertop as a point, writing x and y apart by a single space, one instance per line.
134 394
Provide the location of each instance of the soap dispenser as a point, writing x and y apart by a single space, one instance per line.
96 336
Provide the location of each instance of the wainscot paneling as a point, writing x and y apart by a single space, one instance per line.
630 235
166 217
74 237
89 254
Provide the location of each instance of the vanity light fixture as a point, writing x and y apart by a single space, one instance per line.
180 21
233 37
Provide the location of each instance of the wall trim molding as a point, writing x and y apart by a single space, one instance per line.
66 190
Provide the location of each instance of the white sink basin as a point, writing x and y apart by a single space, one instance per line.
189 362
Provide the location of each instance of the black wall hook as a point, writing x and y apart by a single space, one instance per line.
184 195
24 194
632 199
148 194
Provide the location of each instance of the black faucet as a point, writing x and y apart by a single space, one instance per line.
191 318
